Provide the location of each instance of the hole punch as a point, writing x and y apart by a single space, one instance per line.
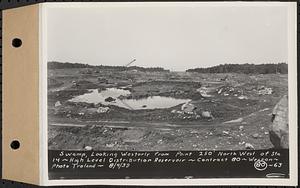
15 144
16 42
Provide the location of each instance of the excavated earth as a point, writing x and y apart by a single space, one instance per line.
226 114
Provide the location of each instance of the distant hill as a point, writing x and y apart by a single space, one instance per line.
67 65
281 68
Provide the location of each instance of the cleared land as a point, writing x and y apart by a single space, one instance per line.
230 111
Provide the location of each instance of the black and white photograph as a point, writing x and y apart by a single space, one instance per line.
171 81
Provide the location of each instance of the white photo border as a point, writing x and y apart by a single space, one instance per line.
292 92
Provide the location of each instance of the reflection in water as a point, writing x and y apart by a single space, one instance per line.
132 104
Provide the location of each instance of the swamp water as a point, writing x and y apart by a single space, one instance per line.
153 102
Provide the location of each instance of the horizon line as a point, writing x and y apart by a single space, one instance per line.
284 62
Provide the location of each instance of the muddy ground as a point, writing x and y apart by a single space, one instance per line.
230 111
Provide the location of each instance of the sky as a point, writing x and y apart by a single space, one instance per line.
176 36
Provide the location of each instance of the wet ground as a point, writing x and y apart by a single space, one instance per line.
120 99
122 110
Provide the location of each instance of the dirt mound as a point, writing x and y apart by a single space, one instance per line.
54 83
175 89
84 84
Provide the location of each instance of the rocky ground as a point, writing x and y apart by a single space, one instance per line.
226 112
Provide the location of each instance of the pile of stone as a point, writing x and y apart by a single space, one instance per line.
265 90
188 108
204 91
90 111
229 91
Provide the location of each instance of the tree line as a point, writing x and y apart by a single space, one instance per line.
281 68
67 65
